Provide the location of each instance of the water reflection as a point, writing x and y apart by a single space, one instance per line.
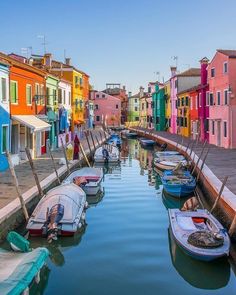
38 289
200 274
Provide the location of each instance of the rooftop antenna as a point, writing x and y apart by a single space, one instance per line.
27 51
175 57
44 43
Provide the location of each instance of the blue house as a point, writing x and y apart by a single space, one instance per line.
4 114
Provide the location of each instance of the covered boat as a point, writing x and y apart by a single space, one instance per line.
114 139
146 142
131 134
107 154
178 183
169 161
19 270
199 234
88 178
59 212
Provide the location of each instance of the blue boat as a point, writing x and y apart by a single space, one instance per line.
178 183
146 142
114 139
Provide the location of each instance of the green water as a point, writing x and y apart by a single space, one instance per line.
126 247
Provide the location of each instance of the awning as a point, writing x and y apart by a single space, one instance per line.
79 122
32 122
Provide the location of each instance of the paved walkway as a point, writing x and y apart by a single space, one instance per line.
221 161
44 168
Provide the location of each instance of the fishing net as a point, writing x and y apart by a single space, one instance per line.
205 239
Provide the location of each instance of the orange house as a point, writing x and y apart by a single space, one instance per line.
27 107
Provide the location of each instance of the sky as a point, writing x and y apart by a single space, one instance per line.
125 41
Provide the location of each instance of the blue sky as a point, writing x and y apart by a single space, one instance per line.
123 41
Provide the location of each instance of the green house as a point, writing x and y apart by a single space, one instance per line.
158 111
133 108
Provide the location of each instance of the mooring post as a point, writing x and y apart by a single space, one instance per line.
86 136
101 136
84 154
53 162
203 163
220 193
196 164
91 135
64 152
34 171
13 173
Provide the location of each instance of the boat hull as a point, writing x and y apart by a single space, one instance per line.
179 191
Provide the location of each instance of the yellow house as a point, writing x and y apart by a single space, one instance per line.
183 118
167 104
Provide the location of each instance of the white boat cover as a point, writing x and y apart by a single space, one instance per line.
86 171
71 196
112 150
19 269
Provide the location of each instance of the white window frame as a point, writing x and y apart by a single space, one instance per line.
224 67
217 97
28 104
16 82
5 125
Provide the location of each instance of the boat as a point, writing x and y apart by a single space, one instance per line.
165 153
88 178
199 234
131 134
169 161
19 269
107 154
59 213
114 139
146 142
178 183
172 202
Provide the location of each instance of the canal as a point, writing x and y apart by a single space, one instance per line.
126 247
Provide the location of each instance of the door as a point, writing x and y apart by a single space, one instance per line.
22 142
14 139
218 133
38 143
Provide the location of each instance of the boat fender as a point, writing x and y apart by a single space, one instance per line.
79 225
86 205
17 242
83 216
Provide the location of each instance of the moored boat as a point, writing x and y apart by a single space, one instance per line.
59 213
178 183
169 161
107 154
199 234
88 178
146 142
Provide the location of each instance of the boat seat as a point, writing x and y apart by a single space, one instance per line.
186 223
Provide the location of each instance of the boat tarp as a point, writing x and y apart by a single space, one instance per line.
19 269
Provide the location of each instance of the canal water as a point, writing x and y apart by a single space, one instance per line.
126 247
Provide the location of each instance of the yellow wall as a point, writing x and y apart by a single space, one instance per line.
185 131
168 102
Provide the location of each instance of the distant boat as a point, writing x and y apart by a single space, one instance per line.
114 140
165 153
178 183
146 142
88 178
168 161
199 234
107 154
60 212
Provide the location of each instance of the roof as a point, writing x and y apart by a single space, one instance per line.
229 53
32 122
58 64
192 72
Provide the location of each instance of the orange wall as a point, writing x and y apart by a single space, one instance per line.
85 87
23 77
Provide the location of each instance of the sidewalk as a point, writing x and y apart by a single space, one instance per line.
44 168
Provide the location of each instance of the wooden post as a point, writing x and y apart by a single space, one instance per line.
101 136
13 173
84 154
196 164
53 162
91 134
64 152
34 171
203 163
220 193
86 136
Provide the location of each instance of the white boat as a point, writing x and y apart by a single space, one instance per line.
60 212
88 178
199 234
107 153
169 162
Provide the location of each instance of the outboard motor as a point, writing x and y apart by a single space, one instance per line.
163 147
105 154
54 216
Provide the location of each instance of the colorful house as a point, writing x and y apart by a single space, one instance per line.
183 111
178 83
27 105
194 106
143 106
222 99
107 109
167 105
4 114
158 101
133 108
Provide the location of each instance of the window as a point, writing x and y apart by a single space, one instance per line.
4 89
48 96
103 96
80 81
206 125
28 94
54 91
97 95
218 98
59 95
37 93
176 104
76 80
213 127
117 106
225 68
149 89
226 96
42 100
185 122
213 72
136 109
207 99
14 91
211 99
186 100
225 129
97 118
4 138
96 106
136 118
182 101
135 100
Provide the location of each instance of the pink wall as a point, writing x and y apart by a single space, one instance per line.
173 98
107 108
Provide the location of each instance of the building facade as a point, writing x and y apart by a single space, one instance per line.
133 108
183 119
167 106
158 101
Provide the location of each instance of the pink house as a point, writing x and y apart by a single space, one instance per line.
107 108
222 99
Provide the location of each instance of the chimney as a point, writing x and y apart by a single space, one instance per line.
129 94
67 61
204 63
48 60
124 87
173 71
141 91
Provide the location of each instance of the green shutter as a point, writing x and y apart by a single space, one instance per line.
4 138
13 92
